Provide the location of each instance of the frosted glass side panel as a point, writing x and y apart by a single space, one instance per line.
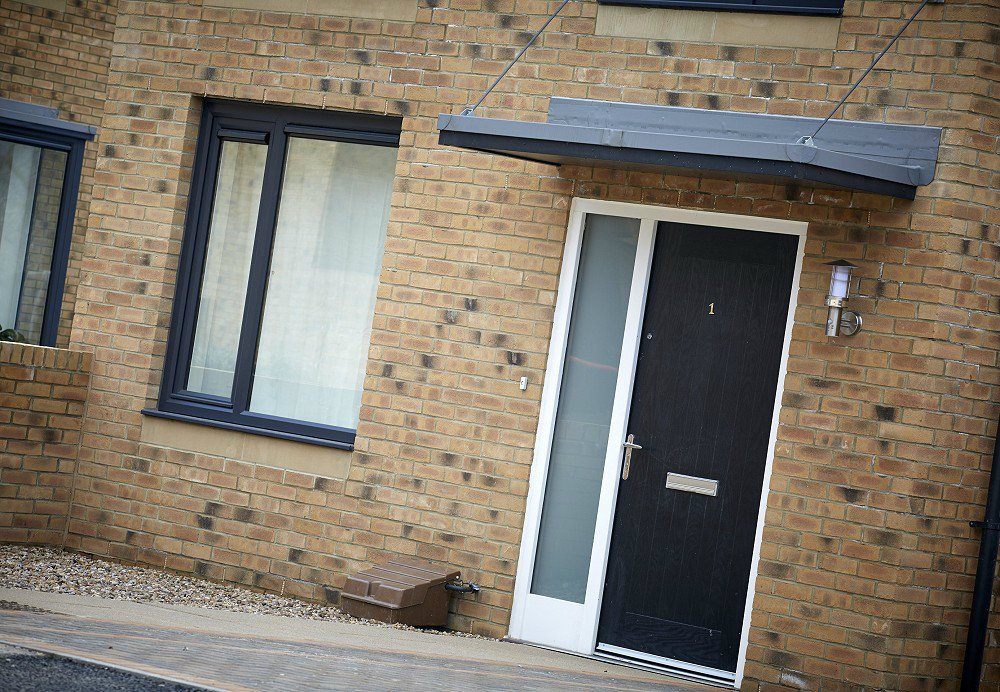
583 416
227 268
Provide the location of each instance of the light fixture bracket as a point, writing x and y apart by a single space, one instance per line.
850 323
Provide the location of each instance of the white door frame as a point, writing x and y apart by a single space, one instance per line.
573 626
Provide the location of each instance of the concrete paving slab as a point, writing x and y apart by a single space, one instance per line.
230 650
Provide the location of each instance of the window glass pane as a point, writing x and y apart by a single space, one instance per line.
31 181
324 271
227 267
583 417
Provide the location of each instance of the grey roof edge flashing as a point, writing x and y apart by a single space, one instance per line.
583 154
764 143
40 118
31 108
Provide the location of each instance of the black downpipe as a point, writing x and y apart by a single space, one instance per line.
982 594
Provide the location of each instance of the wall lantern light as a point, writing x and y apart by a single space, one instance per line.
840 321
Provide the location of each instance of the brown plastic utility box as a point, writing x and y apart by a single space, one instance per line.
404 590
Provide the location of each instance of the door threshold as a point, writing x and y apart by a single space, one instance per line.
629 662
667 666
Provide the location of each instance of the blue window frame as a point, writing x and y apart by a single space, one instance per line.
818 7
41 158
286 213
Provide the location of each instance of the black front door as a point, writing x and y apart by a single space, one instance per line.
702 405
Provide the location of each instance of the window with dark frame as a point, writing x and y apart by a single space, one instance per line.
41 158
817 7
279 269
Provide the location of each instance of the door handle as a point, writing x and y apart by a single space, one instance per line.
629 445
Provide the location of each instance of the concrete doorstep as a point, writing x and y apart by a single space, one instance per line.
226 650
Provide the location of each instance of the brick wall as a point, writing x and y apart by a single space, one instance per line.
42 395
264 527
885 439
59 58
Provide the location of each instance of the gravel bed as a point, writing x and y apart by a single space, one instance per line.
53 571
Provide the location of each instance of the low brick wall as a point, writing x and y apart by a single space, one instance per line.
42 396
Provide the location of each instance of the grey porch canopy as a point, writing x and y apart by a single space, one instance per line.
875 157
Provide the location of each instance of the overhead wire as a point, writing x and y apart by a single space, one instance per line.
808 138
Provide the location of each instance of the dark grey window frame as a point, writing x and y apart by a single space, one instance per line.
812 7
39 127
234 121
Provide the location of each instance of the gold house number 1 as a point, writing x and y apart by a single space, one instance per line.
711 308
